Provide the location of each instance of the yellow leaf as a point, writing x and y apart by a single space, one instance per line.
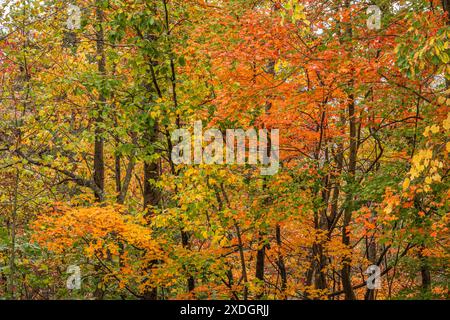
434 129
437 177
446 123
406 184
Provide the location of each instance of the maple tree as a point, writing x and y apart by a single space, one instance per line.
87 175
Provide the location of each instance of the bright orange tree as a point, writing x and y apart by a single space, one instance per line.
363 120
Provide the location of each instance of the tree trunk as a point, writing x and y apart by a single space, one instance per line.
12 258
99 165
185 244
280 263
424 272
151 195
346 269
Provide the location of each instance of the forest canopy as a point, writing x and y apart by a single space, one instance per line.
224 149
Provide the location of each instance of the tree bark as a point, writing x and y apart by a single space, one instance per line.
346 269
280 263
152 195
99 164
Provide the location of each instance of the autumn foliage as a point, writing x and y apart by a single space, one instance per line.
87 176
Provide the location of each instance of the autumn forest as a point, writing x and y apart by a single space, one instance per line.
116 177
